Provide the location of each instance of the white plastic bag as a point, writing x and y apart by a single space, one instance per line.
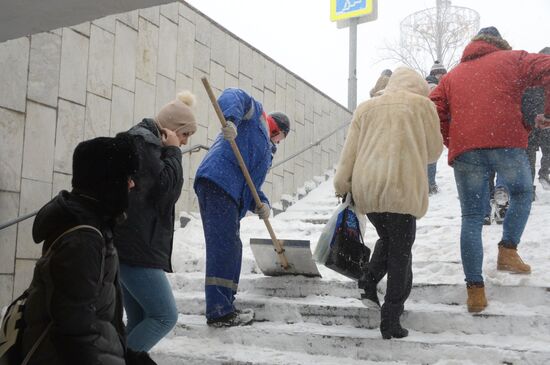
322 249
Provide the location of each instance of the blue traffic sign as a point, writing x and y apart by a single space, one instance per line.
345 9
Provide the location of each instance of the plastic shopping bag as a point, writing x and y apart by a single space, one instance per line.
326 240
348 253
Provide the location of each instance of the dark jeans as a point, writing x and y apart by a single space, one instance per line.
539 138
392 255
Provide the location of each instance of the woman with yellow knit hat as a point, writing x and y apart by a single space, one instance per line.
144 240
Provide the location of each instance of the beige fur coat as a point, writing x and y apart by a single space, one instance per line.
389 144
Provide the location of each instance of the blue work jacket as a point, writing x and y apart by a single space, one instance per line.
220 164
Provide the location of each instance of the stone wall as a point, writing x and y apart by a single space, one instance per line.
101 77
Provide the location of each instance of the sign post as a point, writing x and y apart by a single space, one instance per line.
350 13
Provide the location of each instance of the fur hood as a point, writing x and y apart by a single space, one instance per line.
390 141
483 44
406 79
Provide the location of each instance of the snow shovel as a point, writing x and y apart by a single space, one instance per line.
290 257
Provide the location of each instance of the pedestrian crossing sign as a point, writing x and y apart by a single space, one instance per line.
345 9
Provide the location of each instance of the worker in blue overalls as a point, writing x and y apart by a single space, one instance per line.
224 197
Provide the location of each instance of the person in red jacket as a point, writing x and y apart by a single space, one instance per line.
479 107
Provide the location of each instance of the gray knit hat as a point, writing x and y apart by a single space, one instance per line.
492 36
438 68
490 31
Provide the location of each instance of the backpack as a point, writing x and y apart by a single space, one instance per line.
13 323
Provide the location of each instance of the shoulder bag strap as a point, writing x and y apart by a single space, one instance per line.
81 226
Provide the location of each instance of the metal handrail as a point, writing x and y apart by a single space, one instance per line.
197 148
17 220
311 145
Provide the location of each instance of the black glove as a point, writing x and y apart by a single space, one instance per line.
138 358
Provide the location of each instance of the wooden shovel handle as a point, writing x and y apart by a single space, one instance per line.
278 246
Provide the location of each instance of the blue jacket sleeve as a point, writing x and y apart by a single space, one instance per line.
236 105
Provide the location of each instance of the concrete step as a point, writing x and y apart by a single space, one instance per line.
512 319
299 287
367 344
210 351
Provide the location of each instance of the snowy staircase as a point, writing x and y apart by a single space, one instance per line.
322 321
325 317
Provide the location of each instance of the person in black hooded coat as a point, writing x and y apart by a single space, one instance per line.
144 241
75 296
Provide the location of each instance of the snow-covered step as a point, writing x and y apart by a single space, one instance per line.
501 318
367 344
210 351
299 286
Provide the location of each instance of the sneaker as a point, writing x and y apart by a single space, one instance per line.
501 196
433 189
487 220
544 181
238 318
500 213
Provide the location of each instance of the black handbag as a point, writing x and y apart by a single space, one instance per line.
348 254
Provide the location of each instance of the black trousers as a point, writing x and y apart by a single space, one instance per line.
392 256
539 138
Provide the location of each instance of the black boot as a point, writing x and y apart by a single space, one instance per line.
392 329
370 296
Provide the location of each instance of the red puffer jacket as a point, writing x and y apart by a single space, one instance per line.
479 101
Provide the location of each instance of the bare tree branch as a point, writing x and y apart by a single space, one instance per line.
433 34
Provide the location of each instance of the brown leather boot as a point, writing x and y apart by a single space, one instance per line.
509 260
476 297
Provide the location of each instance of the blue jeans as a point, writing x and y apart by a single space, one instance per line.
432 169
220 221
472 170
150 306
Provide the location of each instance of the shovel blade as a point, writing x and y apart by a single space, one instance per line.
297 253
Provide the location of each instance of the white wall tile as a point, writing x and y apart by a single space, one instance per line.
98 117
147 55
14 58
12 126
8 236
100 66
38 148
70 131
34 194
186 46
168 43
144 102
125 57
74 66
45 60
122 110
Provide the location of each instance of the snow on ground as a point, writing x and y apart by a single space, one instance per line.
436 252
436 260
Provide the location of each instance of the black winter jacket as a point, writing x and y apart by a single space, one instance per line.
145 238
532 103
75 287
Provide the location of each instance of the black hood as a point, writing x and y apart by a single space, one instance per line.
148 130
65 211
